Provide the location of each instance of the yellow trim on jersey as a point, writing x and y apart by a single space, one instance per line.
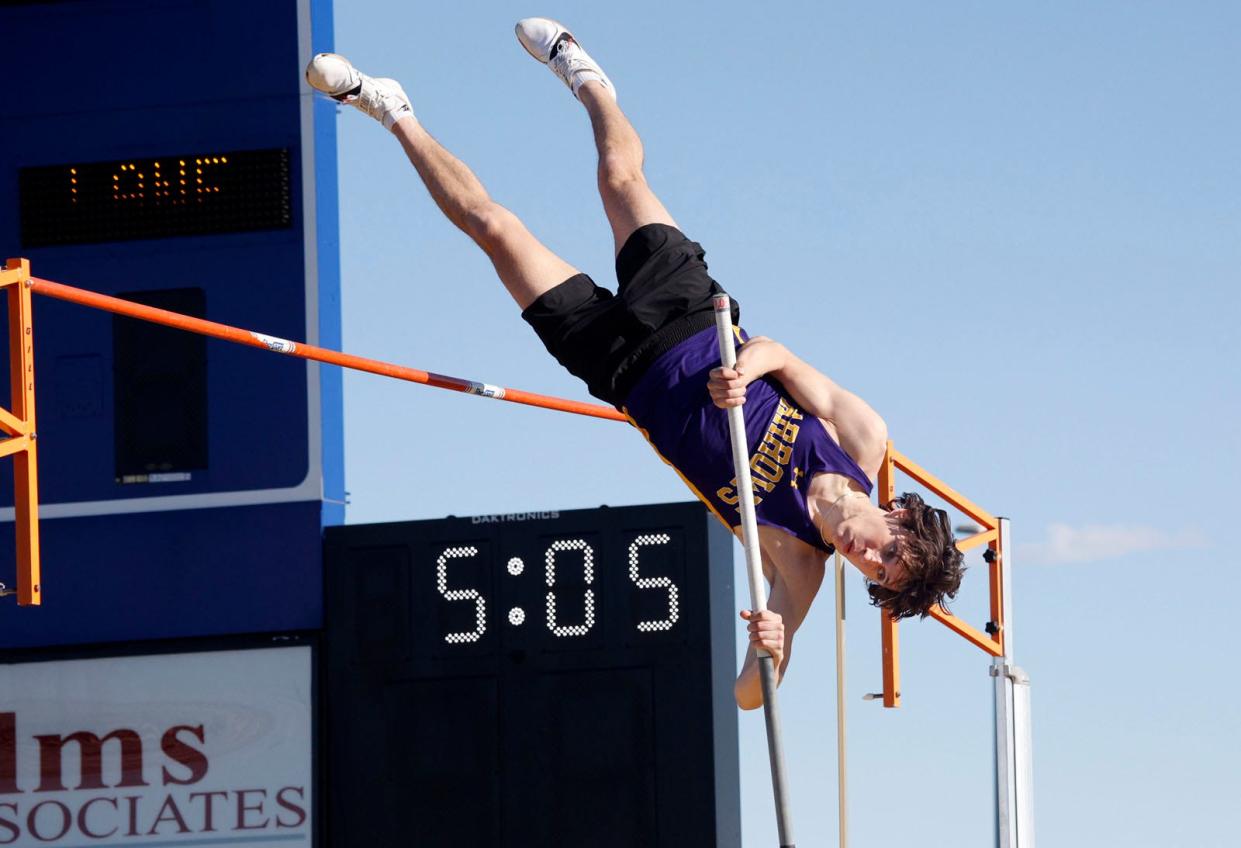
684 479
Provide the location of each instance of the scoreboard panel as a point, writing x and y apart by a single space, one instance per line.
533 680
174 155
179 194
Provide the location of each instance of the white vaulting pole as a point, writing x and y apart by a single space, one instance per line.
754 570
840 701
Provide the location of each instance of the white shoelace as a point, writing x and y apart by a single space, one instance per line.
569 60
375 101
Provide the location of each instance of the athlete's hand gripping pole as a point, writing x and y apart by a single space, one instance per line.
754 570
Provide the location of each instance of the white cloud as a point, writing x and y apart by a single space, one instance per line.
1094 542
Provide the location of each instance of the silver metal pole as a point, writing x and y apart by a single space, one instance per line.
754 570
1014 806
840 702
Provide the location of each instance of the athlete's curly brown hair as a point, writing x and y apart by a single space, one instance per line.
933 566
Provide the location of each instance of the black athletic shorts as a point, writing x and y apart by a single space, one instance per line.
664 297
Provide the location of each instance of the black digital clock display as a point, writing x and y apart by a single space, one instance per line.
155 197
533 680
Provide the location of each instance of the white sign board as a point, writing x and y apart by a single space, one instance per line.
210 748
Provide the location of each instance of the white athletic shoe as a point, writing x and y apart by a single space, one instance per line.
554 46
382 99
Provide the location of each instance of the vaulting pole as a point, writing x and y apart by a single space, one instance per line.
318 354
754 570
841 772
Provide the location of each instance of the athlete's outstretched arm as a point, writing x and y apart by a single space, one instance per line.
859 429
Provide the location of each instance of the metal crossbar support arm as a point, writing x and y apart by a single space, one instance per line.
18 423
768 673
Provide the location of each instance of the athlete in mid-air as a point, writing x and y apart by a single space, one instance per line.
651 351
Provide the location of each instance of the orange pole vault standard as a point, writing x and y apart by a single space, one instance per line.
318 354
18 424
993 641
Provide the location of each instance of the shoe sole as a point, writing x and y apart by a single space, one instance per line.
326 93
533 55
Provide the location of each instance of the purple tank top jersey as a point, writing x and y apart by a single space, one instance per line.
671 407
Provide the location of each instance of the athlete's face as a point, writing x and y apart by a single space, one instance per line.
871 541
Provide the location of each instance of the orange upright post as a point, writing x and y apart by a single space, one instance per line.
18 423
888 632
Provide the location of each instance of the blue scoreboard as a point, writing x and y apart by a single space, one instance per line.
169 152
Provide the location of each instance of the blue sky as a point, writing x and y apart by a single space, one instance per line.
1015 229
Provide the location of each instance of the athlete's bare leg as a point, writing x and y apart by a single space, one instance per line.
525 266
627 199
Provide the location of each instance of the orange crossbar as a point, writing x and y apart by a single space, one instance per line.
318 354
